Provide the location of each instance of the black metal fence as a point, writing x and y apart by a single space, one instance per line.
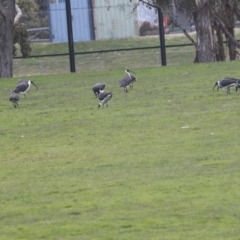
111 34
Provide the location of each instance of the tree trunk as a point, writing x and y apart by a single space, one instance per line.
220 53
6 37
230 28
204 32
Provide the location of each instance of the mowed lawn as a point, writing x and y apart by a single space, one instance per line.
161 162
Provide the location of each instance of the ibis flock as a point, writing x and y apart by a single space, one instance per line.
104 97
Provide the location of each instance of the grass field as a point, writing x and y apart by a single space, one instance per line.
175 55
161 162
104 61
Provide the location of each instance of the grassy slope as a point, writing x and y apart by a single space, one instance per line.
102 61
130 171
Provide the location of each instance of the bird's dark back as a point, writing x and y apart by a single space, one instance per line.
21 87
227 81
125 81
104 95
14 97
99 86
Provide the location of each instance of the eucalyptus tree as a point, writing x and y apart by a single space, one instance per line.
199 11
223 18
7 13
213 19
13 31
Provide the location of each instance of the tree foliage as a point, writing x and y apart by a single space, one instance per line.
218 24
31 18
30 10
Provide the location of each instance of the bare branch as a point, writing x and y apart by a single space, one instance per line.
224 29
19 14
186 33
149 4
237 12
134 8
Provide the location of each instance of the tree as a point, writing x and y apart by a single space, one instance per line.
221 14
229 20
213 19
30 13
205 40
29 19
7 13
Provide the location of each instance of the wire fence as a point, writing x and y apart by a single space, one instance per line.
110 34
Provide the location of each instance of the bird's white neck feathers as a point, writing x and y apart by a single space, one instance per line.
128 73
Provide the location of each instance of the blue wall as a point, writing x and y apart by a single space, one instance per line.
81 20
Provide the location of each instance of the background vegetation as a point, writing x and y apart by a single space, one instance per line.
161 162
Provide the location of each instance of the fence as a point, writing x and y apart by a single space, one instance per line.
110 34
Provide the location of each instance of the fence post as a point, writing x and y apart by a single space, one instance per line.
162 38
70 36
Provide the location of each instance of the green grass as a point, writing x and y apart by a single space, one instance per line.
104 61
176 55
85 46
161 162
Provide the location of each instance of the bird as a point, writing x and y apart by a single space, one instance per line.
22 80
237 85
104 98
226 83
98 88
14 98
23 86
127 81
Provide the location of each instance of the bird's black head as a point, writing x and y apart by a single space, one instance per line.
128 71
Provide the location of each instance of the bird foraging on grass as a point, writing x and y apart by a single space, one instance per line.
104 98
127 81
226 83
98 88
23 86
14 98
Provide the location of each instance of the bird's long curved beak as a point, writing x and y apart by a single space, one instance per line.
215 85
35 85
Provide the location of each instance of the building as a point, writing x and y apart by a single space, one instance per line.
82 20
93 20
